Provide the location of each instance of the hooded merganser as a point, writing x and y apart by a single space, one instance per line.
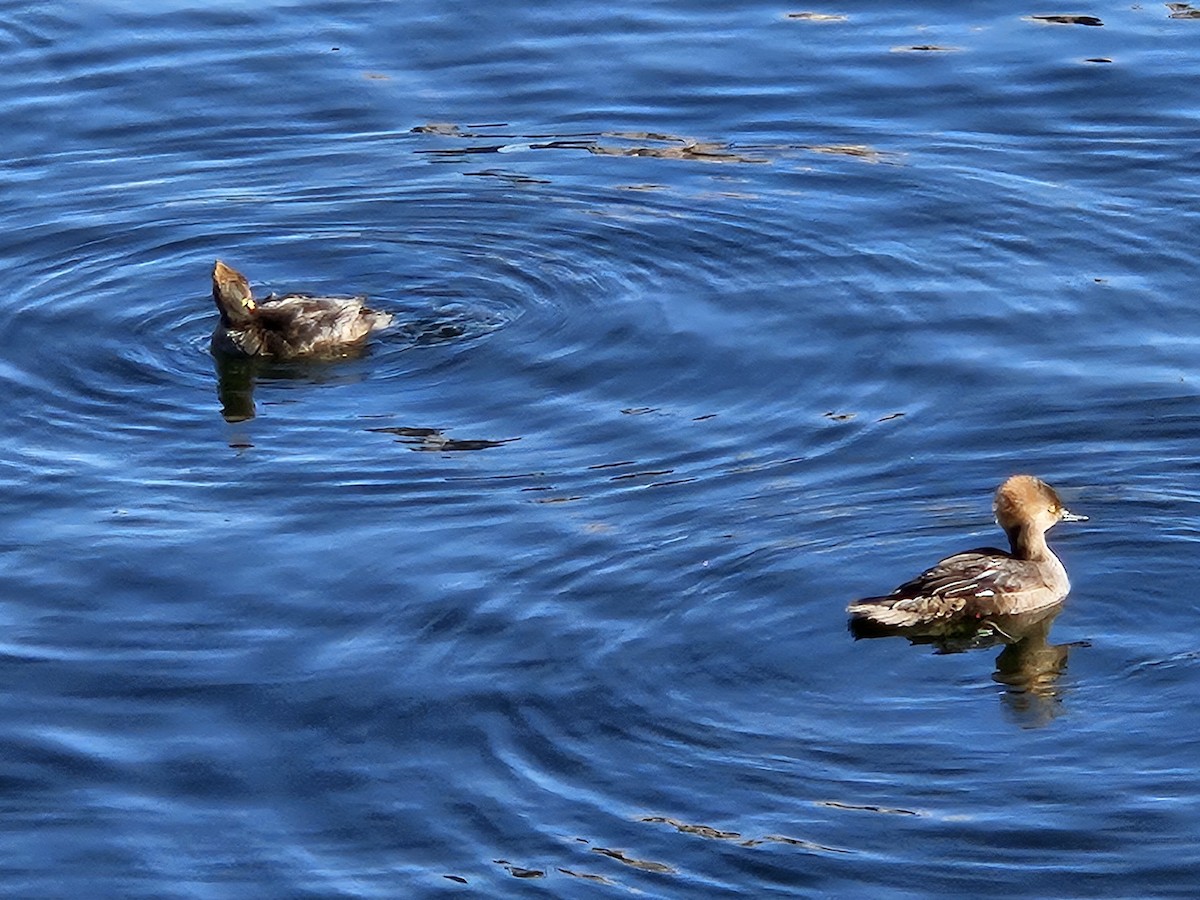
289 326
987 581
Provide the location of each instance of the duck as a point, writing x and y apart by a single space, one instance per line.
985 582
288 327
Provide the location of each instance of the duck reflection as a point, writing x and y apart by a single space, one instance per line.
237 376
235 386
1028 666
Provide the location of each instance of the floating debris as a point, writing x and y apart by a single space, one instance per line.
637 144
715 834
645 865
519 871
839 417
644 136
445 129
678 148
1098 59
890 416
857 151
704 831
1066 20
1182 11
457 878
792 842
587 876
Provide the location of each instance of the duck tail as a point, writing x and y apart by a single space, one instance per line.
883 611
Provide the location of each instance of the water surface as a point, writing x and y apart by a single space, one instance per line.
710 320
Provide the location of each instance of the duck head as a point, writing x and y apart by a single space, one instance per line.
231 291
1025 503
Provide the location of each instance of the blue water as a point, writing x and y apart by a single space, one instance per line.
711 319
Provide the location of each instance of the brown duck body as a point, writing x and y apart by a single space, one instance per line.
987 581
287 327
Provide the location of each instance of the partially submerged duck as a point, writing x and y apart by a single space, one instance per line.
290 326
986 582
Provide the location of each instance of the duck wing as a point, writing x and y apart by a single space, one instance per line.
943 590
299 325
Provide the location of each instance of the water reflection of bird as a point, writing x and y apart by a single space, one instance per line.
1028 666
287 327
237 377
235 387
986 582
1031 664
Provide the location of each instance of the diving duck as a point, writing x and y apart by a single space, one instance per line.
986 582
287 327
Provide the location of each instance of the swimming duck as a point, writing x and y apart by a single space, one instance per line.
987 581
287 327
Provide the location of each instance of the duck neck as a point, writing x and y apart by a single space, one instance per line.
1028 542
